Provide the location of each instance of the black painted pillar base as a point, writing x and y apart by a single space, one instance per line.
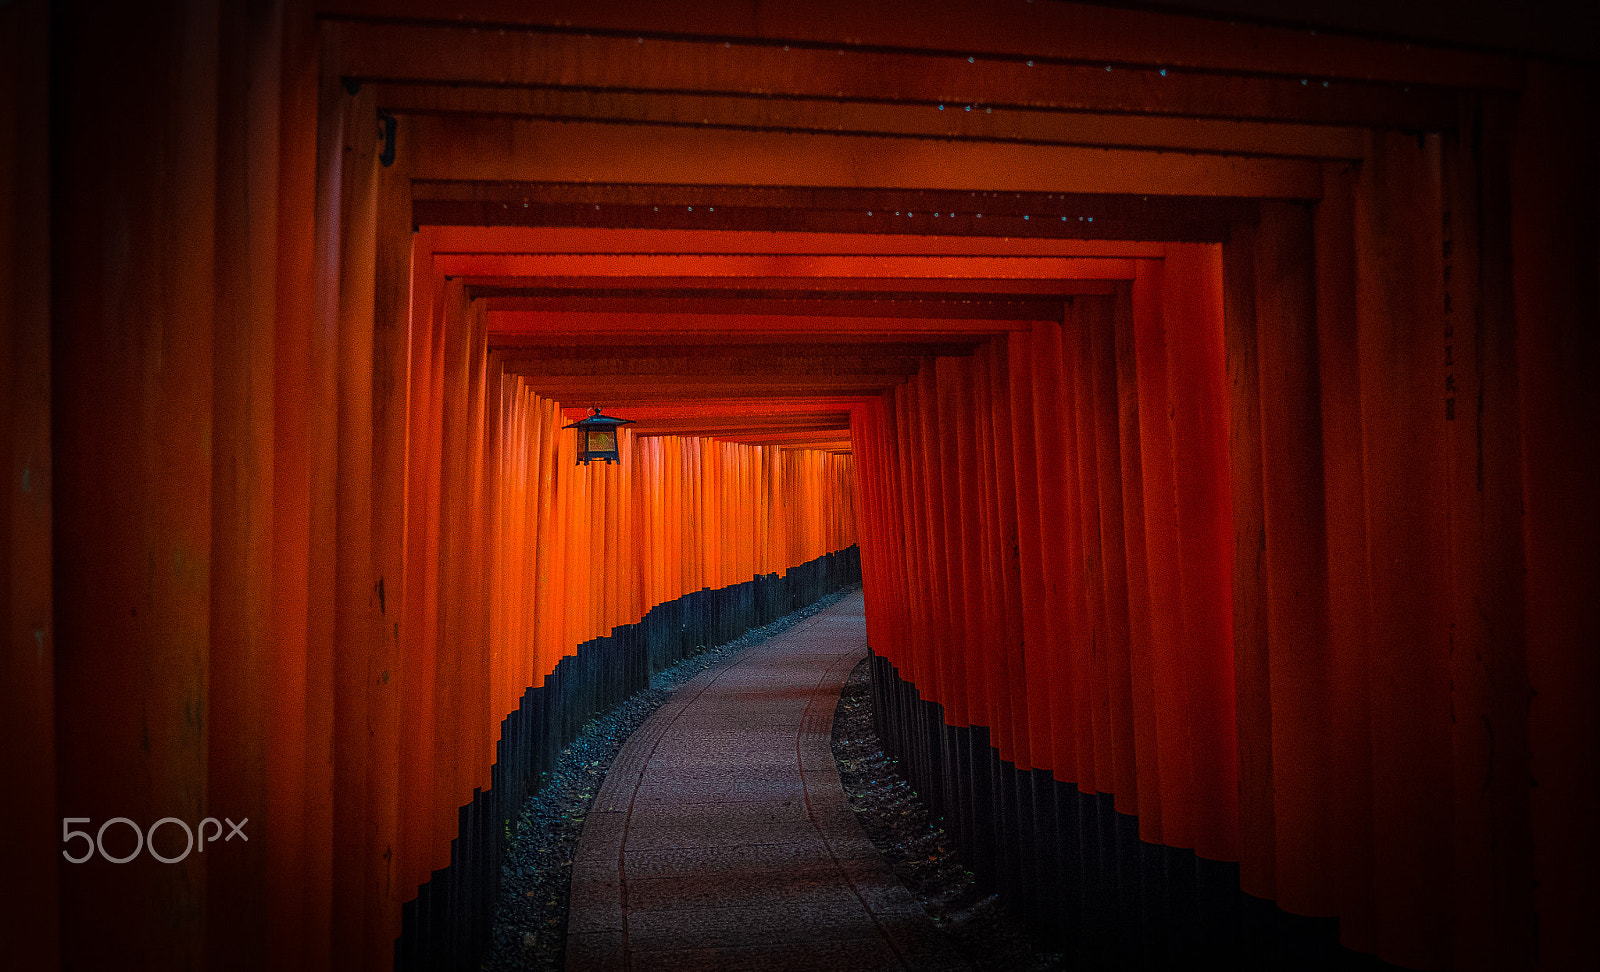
1075 869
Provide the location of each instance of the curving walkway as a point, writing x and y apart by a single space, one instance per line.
721 838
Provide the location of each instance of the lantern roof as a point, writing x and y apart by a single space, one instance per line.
596 420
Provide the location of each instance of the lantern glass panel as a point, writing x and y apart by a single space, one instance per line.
602 440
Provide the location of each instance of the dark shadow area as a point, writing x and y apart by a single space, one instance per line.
980 927
1075 869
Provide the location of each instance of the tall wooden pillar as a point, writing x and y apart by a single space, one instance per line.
1049 665
296 898
1404 408
133 287
30 855
1091 705
1029 551
1556 254
1349 587
1494 919
1197 386
1252 673
1109 315
390 380
1141 674
356 611
1010 609
1295 592
242 603
1163 555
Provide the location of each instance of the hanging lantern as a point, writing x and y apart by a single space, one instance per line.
597 437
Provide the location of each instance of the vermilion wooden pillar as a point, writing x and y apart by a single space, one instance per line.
1011 607
1111 550
464 746
1075 674
1051 665
1295 590
1495 924
1345 532
957 483
27 682
294 898
1401 340
929 481
391 382
913 523
982 589
357 635
1091 707
449 615
880 516
1030 573
1252 686
1141 674
476 576
419 647
1162 551
1197 388
242 604
133 293
1003 612
1555 240
321 396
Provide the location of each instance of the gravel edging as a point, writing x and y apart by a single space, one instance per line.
977 924
530 924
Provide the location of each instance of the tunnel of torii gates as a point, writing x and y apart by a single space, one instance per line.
1208 408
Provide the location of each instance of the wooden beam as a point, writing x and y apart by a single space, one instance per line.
720 328
1009 29
853 216
708 361
622 392
505 149
821 409
511 213
866 306
546 239
721 429
529 346
1031 125
440 54
797 287
540 265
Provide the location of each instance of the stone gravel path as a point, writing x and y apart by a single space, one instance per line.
721 838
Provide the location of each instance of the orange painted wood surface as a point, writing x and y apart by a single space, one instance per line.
28 757
1194 487
1555 248
1105 683
132 368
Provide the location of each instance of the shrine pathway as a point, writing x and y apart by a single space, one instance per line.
721 838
